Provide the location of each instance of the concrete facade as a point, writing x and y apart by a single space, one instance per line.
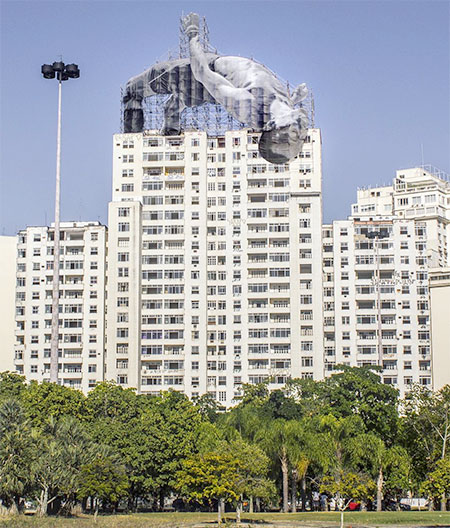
376 295
82 303
7 308
440 325
376 307
214 272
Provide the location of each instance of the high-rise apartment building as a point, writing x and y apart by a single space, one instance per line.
376 307
376 298
419 194
214 264
7 292
82 303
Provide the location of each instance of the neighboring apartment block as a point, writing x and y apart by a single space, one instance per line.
82 303
7 293
376 298
214 265
419 194
440 325
376 308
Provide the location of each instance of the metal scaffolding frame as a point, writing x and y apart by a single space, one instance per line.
209 117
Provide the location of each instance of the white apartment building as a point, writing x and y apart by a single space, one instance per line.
7 294
376 306
420 194
376 298
214 264
82 303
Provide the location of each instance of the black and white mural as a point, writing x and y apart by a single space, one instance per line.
247 90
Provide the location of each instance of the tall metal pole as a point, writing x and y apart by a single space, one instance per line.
54 343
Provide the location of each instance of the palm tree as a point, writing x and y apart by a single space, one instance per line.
16 452
277 440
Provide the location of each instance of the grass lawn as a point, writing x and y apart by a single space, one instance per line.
200 520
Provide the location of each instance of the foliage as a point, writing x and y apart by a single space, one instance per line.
208 477
348 486
342 435
103 479
12 386
108 400
359 392
425 428
64 447
16 454
438 482
208 407
42 400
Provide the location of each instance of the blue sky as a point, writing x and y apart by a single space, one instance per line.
379 72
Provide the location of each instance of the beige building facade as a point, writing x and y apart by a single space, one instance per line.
439 280
7 305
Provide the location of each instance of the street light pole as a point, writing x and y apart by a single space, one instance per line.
63 73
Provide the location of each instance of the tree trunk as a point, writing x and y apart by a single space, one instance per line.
303 492
43 503
294 491
13 509
285 472
238 511
379 489
258 504
342 518
96 510
250 504
443 502
219 511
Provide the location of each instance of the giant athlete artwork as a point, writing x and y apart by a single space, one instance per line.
246 89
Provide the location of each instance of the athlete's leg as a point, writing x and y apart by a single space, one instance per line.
237 101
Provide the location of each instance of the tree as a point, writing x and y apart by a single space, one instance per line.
151 435
438 481
104 480
398 478
279 405
64 446
426 429
42 400
359 391
276 439
16 454
347 486
304 448
172 421
308 396
208 407
109 400
208 477
253 468
370 452
12 386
